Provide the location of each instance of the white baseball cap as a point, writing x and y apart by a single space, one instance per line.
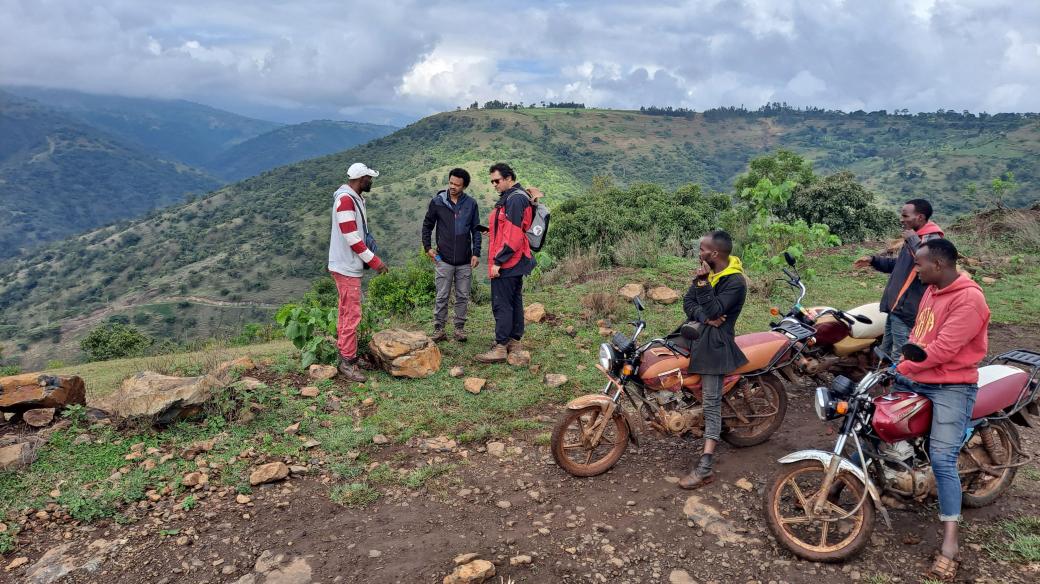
358 170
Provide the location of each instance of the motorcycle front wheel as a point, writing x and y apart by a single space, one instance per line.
572 446
841 530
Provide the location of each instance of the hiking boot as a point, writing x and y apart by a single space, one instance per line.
460 335
699 476
439 335
348 369
513 346
497 354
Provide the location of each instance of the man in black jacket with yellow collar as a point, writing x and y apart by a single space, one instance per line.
715 299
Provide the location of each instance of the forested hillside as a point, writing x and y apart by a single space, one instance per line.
261 241
59 177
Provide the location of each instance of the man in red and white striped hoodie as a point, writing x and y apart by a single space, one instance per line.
349 255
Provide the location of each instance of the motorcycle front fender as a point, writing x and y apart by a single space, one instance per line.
844 465
604 403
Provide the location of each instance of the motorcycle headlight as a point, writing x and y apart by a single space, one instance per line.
822 403
607 356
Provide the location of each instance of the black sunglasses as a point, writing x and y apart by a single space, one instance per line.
495 181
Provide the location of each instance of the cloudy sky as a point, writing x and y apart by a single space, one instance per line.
398 60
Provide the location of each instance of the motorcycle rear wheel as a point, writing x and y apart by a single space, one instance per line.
756 397
980 488
822 538
571 446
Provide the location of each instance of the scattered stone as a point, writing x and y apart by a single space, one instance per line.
321 372
195 479
18 455
29 391
519 358
268 473
988 280
605 331
571 331
680 577
292 429
745 484
503 504
496 449
250 383
663 295
368 402
39 418
278 569
475 572
555 379
380 439
404 353
183 540
521 560
534 313
374 553
309 391
17 563
465 558
474 384
631 291
298 469
163 398
457 371
672 480
240 365
311 443
711 520
441 444
243 499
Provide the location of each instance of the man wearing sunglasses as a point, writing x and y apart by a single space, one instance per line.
509 260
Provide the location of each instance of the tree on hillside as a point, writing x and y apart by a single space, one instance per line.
114 340
779 167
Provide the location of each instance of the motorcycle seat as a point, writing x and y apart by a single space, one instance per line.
1000 386
876 328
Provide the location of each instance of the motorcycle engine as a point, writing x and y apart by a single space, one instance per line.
918 482
676 416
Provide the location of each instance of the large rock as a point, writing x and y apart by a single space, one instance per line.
631 291
74 560
555 379
535 313
663 295
223 372
268 473
474 572
161 397
30 391
322 372
405 353
474 384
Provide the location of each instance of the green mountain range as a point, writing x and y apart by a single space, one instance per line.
201 268
113 158
294 143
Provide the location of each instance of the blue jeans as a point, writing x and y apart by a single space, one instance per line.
951 412
897 334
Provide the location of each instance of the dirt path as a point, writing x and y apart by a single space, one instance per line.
631 524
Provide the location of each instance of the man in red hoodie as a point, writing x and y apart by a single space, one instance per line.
951 327
904 289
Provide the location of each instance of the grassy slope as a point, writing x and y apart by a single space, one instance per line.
265 238
405 408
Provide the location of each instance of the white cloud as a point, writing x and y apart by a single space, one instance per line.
416 57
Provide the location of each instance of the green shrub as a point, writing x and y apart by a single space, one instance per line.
311 324
114 340
400 291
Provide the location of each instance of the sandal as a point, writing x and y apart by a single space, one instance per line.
943 569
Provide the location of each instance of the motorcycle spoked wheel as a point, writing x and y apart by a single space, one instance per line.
571 442
827 537
981 488
763 400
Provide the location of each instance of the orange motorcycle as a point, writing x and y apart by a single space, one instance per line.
595 429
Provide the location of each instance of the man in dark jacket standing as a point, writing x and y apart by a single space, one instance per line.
904 289
509 260
715 299
456 216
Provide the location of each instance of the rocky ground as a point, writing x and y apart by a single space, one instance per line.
506 503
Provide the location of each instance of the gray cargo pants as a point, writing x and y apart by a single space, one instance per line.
448 275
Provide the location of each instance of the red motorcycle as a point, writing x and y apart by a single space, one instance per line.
822 505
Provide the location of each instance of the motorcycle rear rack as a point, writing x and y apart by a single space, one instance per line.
1025 357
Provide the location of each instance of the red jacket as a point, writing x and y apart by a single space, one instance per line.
508 225
952 326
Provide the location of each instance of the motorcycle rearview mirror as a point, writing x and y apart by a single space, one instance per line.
862 319
915 353
638 303
789 259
